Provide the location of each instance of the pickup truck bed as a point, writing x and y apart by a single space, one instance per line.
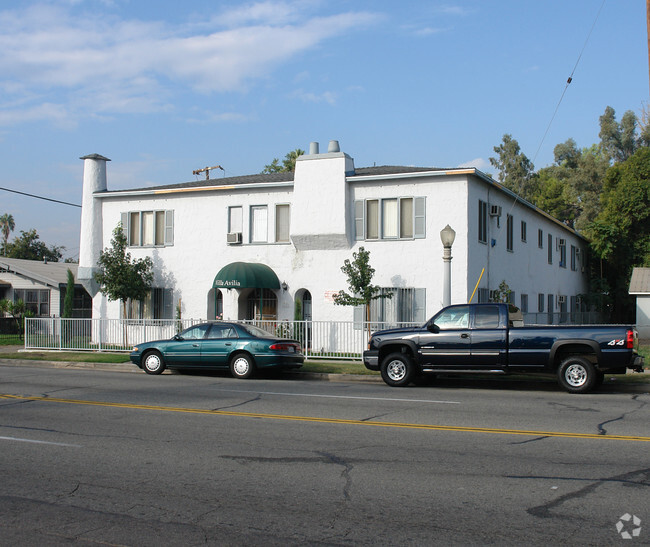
485 338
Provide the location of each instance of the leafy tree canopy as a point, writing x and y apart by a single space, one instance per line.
516 171
288 164
28 247
121 277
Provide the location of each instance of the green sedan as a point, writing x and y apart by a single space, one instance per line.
218 345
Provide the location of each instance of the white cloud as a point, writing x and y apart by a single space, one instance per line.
480 163
122 66
308 97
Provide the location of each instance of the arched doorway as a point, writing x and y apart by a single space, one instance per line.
262 305
215 304
303 314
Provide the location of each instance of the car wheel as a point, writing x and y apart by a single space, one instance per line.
577 375
398 370
153 363
241 366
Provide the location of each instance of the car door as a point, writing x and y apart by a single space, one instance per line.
184 350
488 337
218 344
446 344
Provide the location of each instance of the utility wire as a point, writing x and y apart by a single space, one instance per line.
40 197
569 80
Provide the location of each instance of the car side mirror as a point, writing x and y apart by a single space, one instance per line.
177 337
432 327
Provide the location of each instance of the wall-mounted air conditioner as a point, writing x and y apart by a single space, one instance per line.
234 238
495 210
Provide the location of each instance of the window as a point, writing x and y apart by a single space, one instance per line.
482 221
406 305
574 262
550 299
550 249
486 317
158 304
372 219
509 233
540 302
523 231
36 301
562 245
389 219
148 228
392 218
524 303
483 296
235 220
282 217
454 318
540 239
259 224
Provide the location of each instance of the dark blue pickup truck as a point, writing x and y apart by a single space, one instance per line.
491 338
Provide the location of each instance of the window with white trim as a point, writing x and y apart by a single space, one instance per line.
406 305
158 304
390 218
259 224
148 228
37 301
282 218
482 221
235 219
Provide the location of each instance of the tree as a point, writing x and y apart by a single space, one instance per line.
120 277
288 164
68 301
7 226
18 312
516 171
620 234
362 291
28 247
619 140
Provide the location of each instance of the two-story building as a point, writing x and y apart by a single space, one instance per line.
271 246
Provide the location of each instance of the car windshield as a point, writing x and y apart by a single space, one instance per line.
256 331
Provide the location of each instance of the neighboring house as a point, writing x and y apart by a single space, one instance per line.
271 246
41 286
640 287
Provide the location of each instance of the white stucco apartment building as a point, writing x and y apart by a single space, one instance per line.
251 246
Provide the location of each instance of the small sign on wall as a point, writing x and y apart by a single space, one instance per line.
329 296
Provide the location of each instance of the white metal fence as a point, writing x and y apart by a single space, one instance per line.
319 339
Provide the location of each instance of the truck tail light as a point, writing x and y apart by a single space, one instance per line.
629 342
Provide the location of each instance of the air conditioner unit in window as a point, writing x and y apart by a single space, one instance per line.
561 299
495 210
234 238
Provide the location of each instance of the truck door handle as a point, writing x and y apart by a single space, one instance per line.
464 335
195 345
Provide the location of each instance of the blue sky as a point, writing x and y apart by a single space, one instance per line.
165 87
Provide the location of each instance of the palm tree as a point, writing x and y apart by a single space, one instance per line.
7 226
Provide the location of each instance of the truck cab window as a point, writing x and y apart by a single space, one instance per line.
453 318
486 317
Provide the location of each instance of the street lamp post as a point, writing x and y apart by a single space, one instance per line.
447 235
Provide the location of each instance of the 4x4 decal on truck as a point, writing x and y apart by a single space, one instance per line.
616 343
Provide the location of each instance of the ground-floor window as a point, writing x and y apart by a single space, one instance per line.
37 301
405 305
158 304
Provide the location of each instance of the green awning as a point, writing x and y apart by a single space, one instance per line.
246 275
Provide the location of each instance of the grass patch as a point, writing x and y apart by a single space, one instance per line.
10 340
336 367
69 356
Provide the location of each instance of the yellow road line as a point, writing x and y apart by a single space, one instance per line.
339 421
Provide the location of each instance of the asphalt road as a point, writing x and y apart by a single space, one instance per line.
94 457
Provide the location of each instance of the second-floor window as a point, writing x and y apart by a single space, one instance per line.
235 219
509 233
391 218
259 224
482 221
148 228
282 217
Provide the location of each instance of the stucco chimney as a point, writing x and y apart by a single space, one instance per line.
91 240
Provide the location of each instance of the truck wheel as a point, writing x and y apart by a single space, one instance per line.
397 370
577 375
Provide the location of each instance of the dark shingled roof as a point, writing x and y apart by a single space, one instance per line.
282 177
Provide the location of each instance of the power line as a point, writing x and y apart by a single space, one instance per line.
40 197
569 80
